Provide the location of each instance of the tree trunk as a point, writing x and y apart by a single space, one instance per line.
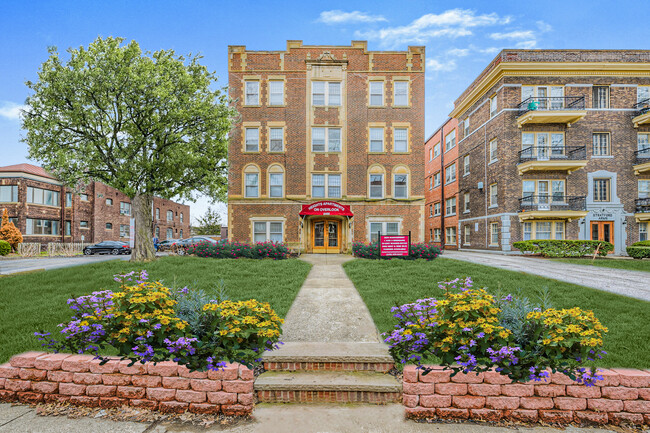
143 248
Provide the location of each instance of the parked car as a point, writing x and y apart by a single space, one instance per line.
167 244
108 247
180 247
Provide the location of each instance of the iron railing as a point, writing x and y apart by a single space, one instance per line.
545 153
642 205
552 202
642 107
546 103
643 155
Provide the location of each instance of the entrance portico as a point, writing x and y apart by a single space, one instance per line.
325 227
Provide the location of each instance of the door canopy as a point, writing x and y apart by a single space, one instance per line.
326 208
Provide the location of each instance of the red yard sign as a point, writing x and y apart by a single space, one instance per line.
394 245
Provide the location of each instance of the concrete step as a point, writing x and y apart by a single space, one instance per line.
339 356
327 387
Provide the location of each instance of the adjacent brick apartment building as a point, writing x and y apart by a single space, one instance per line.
442 202
44 210
558 147
330 145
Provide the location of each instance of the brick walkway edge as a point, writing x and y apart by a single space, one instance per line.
36 377
623 397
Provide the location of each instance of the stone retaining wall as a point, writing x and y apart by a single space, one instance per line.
36 377
622 397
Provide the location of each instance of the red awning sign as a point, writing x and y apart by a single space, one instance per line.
326 208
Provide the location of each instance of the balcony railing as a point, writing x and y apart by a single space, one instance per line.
551 103
642 107
642 205
552 202
642 156
546 153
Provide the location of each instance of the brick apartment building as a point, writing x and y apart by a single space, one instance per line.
44 210
442 202
557 147
329 149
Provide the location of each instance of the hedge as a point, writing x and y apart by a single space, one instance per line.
640 252
5 248
236 250
417 251
564 248
641 244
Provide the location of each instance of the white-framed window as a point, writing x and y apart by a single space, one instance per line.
318 185
387 228
276 185
376 90
376 139
465 165
400 185
600 97
450 236
643 143
600 144
326 93
264 231
276 92
8 193
158 232
602 189
252 139
400 140
326 185
43 196
333 185
643 231
436 179
376 185
450 141
109 202
493 106
42 227
430 211
494 234
644 189
325 139
83 224
543 230
400 93
543 97
252 96
333 139
437 234
642 93
494 195
542 145
450 206
157 213
467 234
436 150
169 233
431 154
430 183
436 208
466 127
466 202
252 181
125 208
276 139
181 216
547 191
450 173
170 215
493 151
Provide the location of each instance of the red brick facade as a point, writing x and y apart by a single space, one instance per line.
281 116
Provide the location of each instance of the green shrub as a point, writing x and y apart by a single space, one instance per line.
638 252
5 248
641 244
564 248
417 251
235 250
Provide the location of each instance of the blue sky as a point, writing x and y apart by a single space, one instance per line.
460 37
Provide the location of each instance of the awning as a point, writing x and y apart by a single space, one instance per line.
326 208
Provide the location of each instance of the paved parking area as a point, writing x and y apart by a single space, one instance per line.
12 266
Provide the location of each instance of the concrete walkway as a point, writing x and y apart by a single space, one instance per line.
623 282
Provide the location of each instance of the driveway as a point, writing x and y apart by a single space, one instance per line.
11 266
628 283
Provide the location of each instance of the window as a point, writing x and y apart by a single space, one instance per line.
494 233
180 234
436 179
252 184
542 145
181 216
276 92
450 206
384 228
83 224
376 186
276 139
264 231
334 185
400 140
430 235
43 196
539 97
431 154
466 202
493 151
68 228
157 213
436 150
333 182
450 236
376 139
252 139
276 184
323 139
109 226
436 235
601 189
493 195
400 183
600 144
465 165
169 234
493 106
326 93
68 199
42 227
318 185
540 189
467 234
125 208
8 193
430 211
450 141
450 173
466 127
643 144
643 231
600 97
333 139
543 230
376 93
109 202
644 189
642 93
401 93
124 231
430 183
84 197
158 232
252 92
436 209
170 215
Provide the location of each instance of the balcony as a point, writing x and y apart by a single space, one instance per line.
550 206
642 116
552 158
642 211
642 161
551 109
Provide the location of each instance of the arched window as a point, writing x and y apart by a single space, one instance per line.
251 181
401 178
276 181
376 181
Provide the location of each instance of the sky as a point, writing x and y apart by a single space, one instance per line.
461 38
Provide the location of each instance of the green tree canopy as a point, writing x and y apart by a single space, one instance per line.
209 223
147 124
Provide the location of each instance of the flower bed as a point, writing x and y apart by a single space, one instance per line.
236 250
416 251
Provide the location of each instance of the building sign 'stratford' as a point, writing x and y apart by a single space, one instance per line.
326 208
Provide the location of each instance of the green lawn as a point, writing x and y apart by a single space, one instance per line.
36 301
382 284
628 264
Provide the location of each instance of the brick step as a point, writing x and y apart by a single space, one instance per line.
327 387
339 356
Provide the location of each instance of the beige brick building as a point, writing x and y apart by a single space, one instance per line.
557 147
334 124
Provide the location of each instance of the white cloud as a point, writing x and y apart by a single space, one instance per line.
436 65
458 52
527 45
10 110
340 17
544 27
489 50
517 34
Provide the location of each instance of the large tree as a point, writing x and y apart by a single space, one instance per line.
209 223
147 124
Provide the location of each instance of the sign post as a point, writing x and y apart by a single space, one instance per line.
394 245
